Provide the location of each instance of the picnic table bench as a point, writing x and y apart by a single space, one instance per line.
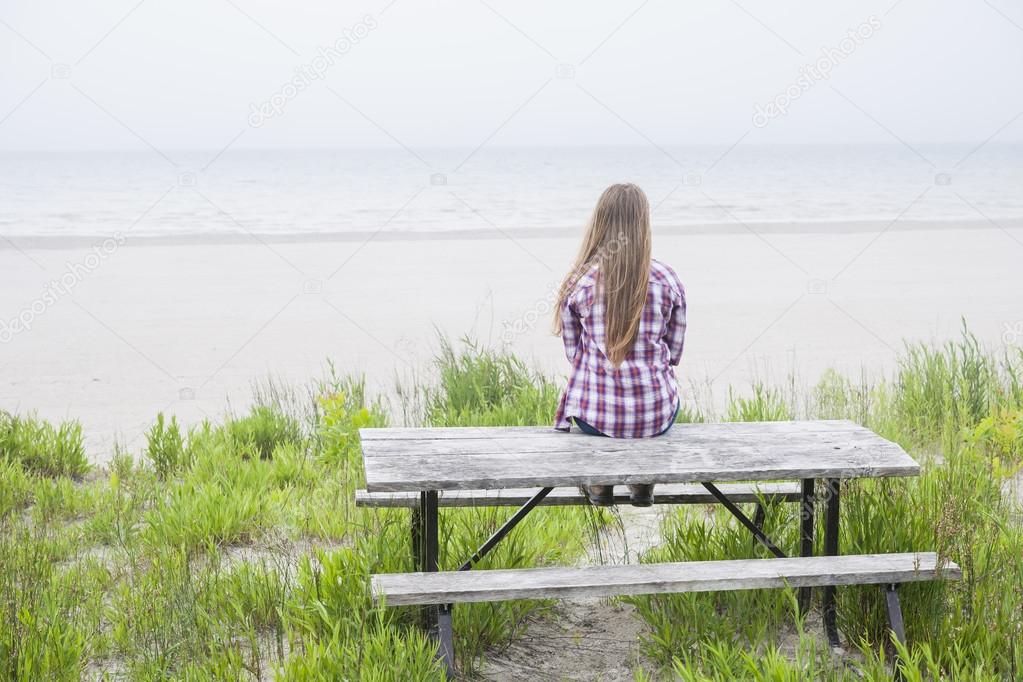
424 469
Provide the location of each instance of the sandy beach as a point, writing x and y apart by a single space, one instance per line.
185 325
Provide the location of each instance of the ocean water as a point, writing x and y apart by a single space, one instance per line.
396 191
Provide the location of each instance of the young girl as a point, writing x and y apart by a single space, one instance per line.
622 317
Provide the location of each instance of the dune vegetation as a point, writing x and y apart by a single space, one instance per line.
233 550
959 412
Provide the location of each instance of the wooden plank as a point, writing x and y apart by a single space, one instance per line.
556 441
516 497
683 465
398 589
469 432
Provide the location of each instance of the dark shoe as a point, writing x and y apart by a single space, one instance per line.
600 495
642 494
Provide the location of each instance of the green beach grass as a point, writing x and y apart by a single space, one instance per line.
234 550
959 411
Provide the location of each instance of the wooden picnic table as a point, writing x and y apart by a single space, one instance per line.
818 453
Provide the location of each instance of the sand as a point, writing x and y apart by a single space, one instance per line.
587 639
184 326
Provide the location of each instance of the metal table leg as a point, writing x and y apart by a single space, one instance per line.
425 545
438 618
891 596
416 527
416 537
832 494
806 532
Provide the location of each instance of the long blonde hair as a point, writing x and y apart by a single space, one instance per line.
617 242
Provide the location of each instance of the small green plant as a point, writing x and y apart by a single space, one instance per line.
165 448
765 405
46 615
689 414
40 447
15 488
941 390
838 397
482 387
1000 433
262 430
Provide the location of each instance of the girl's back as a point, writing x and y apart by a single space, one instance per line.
638 397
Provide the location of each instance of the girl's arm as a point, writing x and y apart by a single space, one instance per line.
675 335
571 328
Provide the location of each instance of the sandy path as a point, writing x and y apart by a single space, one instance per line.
587 639
594 639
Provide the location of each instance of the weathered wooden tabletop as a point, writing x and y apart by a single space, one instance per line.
412 459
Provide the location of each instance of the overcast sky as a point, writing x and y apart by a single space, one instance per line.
124 74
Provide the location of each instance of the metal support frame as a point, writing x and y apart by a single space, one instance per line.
425 548
743 519
891 596
446 639
505 529
437 618
416 537
806 539
806 533
831 515
759 516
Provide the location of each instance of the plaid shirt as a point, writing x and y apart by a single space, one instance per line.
638 399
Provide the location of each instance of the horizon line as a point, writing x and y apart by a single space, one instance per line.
580 145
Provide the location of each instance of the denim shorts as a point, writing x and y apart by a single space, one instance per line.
590 431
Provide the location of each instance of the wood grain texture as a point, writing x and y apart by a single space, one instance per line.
569 442
521 457
563 497
445 472
397 589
